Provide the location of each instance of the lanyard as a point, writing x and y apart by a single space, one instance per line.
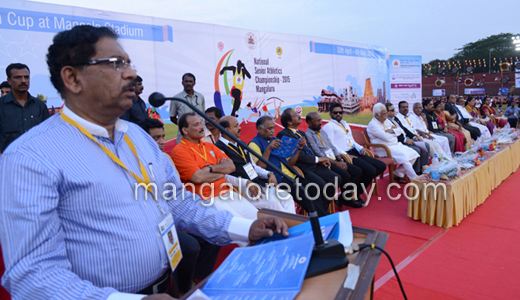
342 127
241 155
205 157
408 121
296 133
319 135
116 159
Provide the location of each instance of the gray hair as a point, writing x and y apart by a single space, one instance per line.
378 108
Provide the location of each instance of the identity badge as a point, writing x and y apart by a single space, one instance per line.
250 171
350 144
171 241
434 125
330 154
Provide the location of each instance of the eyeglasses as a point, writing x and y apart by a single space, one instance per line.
119 63
391 110
337 112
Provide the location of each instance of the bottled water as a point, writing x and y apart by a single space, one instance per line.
435 168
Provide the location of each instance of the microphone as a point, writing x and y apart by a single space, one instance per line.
326 256
156 99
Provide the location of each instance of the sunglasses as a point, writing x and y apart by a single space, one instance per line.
337 112
391 110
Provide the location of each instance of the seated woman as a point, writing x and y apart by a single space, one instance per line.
488 111
473 111
438 108
451 121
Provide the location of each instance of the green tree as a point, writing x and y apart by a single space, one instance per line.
501 47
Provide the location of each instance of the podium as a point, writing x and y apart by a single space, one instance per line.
331 285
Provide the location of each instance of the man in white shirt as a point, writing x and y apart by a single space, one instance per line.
481 125
381 131
405 123
419 123
245 168
340 135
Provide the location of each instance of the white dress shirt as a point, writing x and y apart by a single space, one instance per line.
340 135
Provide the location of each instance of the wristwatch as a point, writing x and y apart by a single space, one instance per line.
210 169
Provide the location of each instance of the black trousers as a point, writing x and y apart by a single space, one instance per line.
320 204
512 122
198 260
351 175
473 131
370 168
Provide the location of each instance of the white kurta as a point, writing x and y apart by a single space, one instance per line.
400 153
420 124
483 128
344 141
435 147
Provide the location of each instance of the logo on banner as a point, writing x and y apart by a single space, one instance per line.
220 46
298 110
279 50
412 96
396 63
250 40
233 79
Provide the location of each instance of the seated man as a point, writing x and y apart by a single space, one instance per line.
198 255
205 170
406 124
245 167
381 131
322 146
409 139
340 135
315 168
418 121
433 125
212 133
475 122
263 144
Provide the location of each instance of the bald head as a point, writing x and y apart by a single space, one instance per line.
311 116
313 120
230 123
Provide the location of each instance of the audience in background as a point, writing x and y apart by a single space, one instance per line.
19 110
5 88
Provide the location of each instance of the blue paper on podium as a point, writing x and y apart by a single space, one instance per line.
288 147
276 270
336 226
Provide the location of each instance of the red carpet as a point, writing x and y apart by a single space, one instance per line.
476 260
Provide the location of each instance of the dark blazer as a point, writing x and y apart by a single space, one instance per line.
407 132
307 158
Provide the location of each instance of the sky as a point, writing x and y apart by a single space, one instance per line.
432 29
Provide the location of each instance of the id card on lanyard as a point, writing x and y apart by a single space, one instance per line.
170 241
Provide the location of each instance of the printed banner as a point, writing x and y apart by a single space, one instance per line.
405 79
503 91
438 92
475 91
246 73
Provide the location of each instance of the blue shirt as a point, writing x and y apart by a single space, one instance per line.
513 110
70 225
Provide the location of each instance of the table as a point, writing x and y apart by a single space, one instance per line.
330 285
464 194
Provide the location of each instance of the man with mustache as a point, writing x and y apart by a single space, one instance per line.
177 109
19 111
245 167
138 111
206 171
90 224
